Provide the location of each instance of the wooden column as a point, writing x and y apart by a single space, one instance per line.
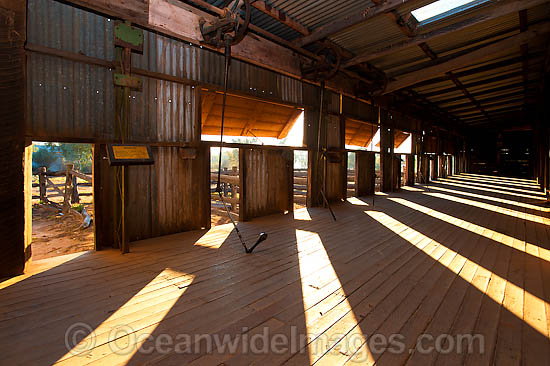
386 159
365 175
396 173
14 251
409 170
435 165
424 168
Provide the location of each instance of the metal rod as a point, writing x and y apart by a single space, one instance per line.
225 77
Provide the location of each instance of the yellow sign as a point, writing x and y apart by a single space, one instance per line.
130 152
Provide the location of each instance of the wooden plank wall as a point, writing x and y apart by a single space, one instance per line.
409 172
167 197
336 176
267 182
396 172
12 142
365 178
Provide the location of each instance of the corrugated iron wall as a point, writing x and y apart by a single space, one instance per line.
12 142
74 101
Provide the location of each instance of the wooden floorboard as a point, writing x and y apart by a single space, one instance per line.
468 255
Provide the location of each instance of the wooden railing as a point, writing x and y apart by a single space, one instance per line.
67 190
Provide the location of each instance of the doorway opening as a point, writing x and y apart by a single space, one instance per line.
62 199
300 178
377 172
351 176
229 184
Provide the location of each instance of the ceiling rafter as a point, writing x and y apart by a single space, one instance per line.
495 11
455 63
341 24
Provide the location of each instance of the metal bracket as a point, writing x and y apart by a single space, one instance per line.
131 82
127 36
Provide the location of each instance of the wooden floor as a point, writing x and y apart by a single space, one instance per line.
468 255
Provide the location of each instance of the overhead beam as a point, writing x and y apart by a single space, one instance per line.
499 9
181 21
280 16
349 21
483 92
500 97
467 59
474 84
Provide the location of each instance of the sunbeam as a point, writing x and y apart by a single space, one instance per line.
505 211
392 224
487 189
122 330
321 345
494 199
507 240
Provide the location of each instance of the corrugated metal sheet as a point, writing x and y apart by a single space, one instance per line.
249 78
161 112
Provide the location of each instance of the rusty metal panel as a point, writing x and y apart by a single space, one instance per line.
68 100
249 78
359 110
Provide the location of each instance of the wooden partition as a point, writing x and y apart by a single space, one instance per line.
396 173
409 170
266 182
168 197
435 167
424 169
365 175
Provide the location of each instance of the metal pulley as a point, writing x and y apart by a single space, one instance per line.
230 28
325 66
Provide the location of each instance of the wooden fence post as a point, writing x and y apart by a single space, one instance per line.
42 183
68 190
74 194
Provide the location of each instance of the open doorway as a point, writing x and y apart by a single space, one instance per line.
300 178
378 172
229 185
351 176
62 199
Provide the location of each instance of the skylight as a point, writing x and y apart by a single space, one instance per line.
443 8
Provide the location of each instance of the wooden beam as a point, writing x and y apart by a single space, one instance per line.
349 21
486 100
280 16
474 84
207 104
523 25
253 118
182 21
483 92
485 15
290 123
467 59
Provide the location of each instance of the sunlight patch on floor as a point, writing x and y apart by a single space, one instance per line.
320 345
214 239
505 211
507 240
505 190
393 225
522 180
485 189
36 267
302 215
532 186
494 199
121 335
356 201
